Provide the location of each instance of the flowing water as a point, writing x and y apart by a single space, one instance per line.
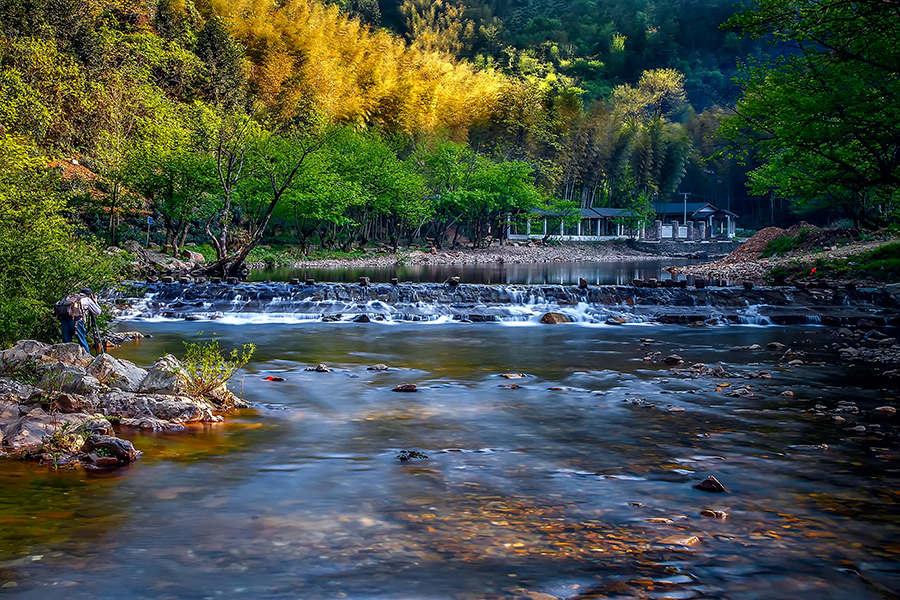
558 272
582 491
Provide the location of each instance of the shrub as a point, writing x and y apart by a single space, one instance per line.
208 369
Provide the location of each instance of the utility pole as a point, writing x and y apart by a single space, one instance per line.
685 194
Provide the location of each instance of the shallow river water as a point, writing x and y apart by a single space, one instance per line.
579 492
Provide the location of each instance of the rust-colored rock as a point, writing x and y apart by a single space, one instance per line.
554 318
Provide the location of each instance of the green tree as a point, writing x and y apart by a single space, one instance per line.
225 81
823 117
43 259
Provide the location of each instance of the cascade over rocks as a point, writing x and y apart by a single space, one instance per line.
480 303
64 415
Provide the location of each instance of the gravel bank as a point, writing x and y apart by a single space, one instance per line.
534 253
745 262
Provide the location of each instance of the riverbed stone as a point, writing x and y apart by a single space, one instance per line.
405 387
711 484
554 318
122 450
673 359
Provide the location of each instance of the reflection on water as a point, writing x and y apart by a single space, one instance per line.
553 273
579 492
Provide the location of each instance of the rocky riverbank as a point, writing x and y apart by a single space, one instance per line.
514 253
745 263
60 405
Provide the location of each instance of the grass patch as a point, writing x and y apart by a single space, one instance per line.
784 244
880 264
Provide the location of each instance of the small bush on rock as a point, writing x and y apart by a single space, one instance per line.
208 369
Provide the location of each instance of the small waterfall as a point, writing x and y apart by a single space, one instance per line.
431 302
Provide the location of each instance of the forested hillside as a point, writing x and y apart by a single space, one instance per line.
231 123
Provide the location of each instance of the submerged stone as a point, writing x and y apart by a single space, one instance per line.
711 484
405 387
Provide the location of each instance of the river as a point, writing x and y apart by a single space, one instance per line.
558 272
583 491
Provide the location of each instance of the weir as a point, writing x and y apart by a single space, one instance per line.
278 301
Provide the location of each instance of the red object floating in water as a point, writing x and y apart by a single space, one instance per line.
273 378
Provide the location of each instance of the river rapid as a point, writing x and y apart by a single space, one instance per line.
577 483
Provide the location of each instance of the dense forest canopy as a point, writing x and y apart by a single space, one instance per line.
333 124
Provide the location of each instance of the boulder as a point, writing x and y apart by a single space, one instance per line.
711 484
673 359
122 450
24 353
166 376
61 377
32 430
72 354
12 390
553 318
194 257
117 373
173 408
118 338
405 387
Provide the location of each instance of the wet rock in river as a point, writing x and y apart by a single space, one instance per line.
407 455
319 368
679 540
378 367
513 375
405 387
673 359
715 514
121 450
886 410
553 318
710 484
778 346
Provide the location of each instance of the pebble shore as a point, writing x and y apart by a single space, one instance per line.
511 254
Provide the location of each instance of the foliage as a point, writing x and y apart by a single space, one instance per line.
208 369
880 264
43 258
823 116
784 244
